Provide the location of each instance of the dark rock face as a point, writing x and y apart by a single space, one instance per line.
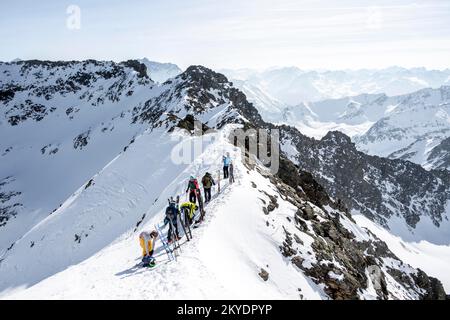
440 155
27 110
377 187
7 94
188 123
432 286
81 140
139 67
8 203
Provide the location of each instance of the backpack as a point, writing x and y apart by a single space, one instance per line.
193 184
171 211
207 181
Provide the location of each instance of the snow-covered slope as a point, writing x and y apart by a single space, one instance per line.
60 123
160 72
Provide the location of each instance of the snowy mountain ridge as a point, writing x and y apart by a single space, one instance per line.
111 185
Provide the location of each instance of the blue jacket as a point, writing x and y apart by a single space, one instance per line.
226 161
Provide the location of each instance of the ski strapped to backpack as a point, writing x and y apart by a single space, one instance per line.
187 222
200 205
218 181
174 236
176 244
183 225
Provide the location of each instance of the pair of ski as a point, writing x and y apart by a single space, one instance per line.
185 223
184 220
201 208
170 252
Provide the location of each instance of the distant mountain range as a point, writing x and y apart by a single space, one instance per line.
292 86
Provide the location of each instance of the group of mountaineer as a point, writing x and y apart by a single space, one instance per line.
184 213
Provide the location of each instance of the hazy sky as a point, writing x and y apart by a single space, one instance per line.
232 33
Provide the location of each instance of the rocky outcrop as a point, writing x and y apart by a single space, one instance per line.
9 205
25 83
439 156
264 274
342 262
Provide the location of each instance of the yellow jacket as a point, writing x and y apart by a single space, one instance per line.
146 249
190 206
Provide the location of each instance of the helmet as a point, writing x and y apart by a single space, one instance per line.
144 234
154 234
191 177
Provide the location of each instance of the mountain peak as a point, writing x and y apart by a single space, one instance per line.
337 137
200 73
